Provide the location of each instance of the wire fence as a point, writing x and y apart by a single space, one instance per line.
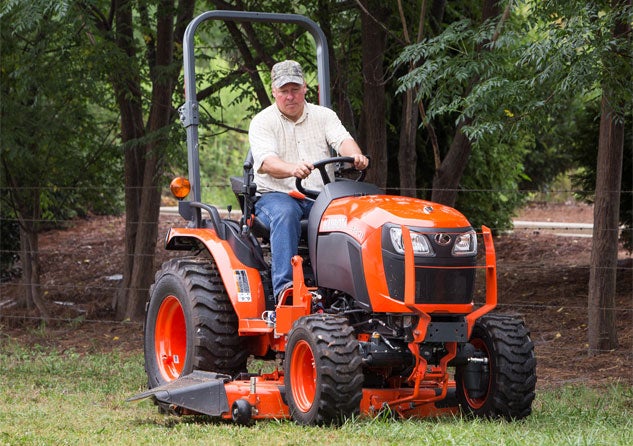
554 252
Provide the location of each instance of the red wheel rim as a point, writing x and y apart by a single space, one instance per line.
303 376
477 403
170 339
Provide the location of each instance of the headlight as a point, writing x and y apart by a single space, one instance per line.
421 246
465 244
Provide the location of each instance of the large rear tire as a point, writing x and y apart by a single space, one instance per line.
190 323
507 386
322 371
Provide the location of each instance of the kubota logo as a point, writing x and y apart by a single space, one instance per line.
442 239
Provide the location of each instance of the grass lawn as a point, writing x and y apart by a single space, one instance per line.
52 398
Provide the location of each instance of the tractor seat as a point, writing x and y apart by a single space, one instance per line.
261 231
258 229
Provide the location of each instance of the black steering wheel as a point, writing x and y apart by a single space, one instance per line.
320 165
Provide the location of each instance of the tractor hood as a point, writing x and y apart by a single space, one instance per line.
360 209
353 235
362 215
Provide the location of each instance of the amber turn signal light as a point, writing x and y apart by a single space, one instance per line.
180 187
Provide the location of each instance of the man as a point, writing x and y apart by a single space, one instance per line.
285 139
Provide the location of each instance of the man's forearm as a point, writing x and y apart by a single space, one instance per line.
349 148
278 168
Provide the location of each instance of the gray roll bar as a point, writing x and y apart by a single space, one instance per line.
189 115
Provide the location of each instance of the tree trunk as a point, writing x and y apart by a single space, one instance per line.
340 69
602 331
448 176
144 161
128 93
30 215
144 146
373 127
146 233
604 251
438 7
407 155
250 62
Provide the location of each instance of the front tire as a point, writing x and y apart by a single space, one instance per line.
322 371
190 323
506 385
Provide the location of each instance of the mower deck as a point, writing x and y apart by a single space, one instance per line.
262 397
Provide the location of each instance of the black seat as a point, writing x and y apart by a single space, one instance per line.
261 231
245 190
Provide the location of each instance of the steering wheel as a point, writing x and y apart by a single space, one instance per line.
320 165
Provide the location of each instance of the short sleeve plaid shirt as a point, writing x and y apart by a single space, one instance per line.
308 139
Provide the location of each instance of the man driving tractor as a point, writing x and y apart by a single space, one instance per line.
285 139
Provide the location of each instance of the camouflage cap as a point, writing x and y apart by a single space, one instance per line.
286 72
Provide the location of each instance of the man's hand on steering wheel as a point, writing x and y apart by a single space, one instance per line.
361 162
320 166
302 170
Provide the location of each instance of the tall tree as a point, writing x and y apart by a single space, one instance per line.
145 123
50 132
578 50
604 252
448 176
460 76
407 153
373 133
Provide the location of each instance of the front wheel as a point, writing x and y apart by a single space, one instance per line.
504 387
322 371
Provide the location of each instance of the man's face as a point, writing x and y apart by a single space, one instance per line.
290 99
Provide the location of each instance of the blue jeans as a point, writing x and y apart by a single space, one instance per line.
282 215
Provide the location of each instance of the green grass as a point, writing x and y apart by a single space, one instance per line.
52 398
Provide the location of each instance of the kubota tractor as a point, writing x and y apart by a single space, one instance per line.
380 315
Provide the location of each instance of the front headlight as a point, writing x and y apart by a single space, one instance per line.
465 244
421 246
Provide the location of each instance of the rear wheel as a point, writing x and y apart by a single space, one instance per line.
322 370
505 386
190 323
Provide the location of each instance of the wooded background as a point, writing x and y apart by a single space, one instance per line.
476 104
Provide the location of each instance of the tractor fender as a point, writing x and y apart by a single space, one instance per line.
242 282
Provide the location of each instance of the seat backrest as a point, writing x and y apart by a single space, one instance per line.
237 186
244 187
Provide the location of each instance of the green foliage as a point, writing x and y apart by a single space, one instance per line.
579 58
55 140
29 16
455 76
490 186
530 79
555 148
577 52
463 76
519 86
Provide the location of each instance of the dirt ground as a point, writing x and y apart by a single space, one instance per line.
542 276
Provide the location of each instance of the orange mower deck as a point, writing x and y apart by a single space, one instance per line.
261 397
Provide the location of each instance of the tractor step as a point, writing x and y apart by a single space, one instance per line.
201 392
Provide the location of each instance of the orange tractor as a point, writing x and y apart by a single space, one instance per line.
380 315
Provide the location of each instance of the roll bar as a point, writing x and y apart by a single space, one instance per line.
189 111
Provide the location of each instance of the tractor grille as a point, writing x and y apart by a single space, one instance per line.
433 285
439 279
